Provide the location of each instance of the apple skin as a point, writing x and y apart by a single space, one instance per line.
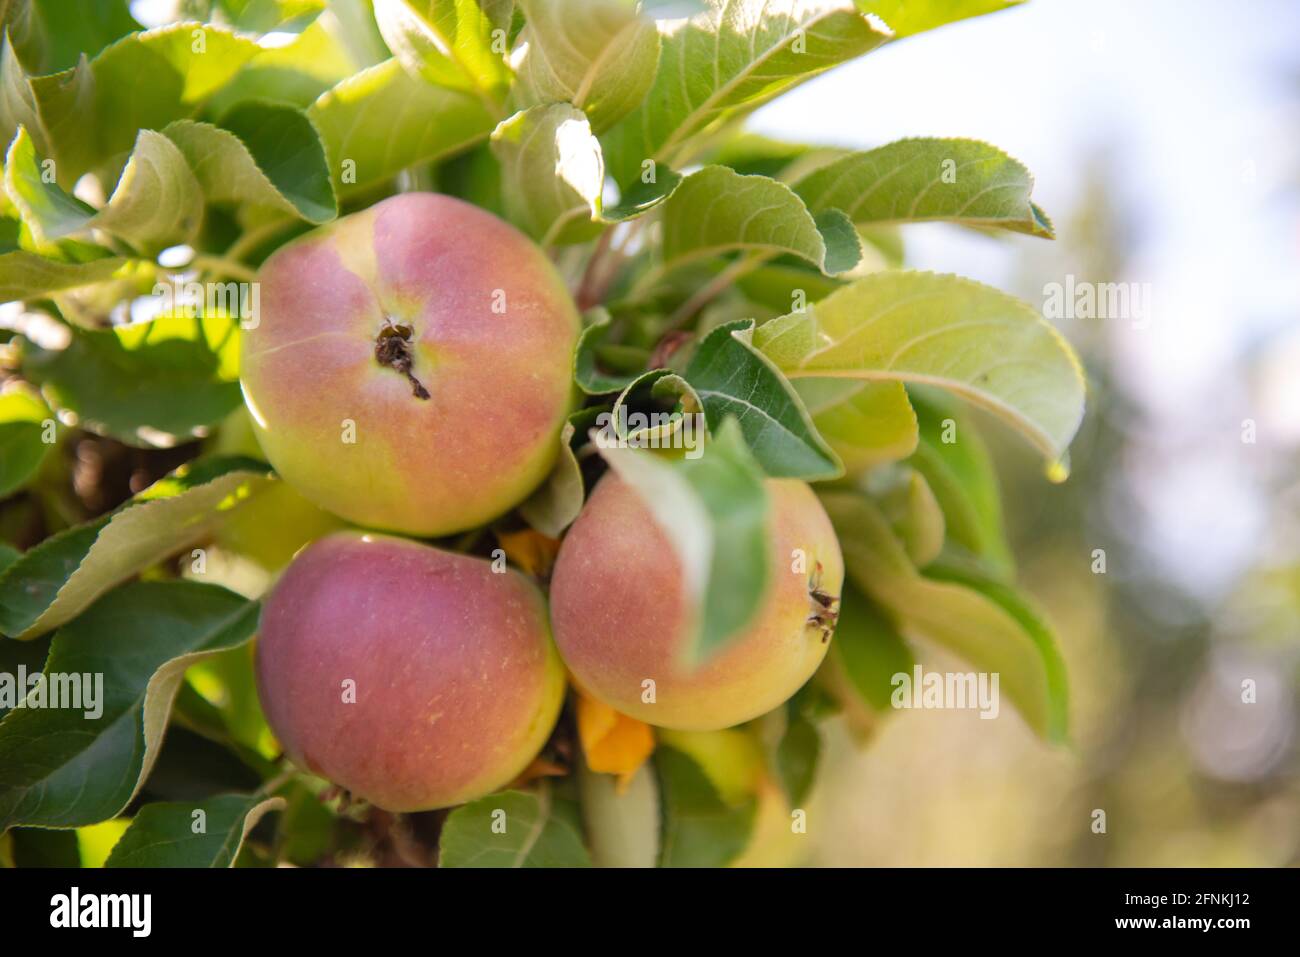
498 383
620 615
457 682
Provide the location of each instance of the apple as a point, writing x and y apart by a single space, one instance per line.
620 614
409 366
413 677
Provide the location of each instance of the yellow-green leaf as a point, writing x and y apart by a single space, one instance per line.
971 339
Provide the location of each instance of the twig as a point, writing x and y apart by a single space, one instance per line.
252 238
224 267
273 785
715 286
589 293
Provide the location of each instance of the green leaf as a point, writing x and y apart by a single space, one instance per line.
732 378
957 465
514 829
928 180
552 173
717 210
146 384
383 120
730 59
866 423
164 835
25 275
904 497
14 655
193 767
651 389
986 346
288 151
958 617
907 17
869 649
355 26
294 74
784 284
64 769
230 677
797 756
307 831
36 847
231 173
714 510
599 55
553 177
91 114
29 270
643 195
588 372
753 153
1035 625
446 42
787 339
46 209
156 203
265 16
474 176
23 419
699 829
59 105
148 79
18 106
49 39
56 580
556 503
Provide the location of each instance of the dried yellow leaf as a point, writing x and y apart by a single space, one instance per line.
532 551
613 742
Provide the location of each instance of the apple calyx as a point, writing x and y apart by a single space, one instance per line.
825 606
393 349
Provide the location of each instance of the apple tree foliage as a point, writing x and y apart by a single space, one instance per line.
757 282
